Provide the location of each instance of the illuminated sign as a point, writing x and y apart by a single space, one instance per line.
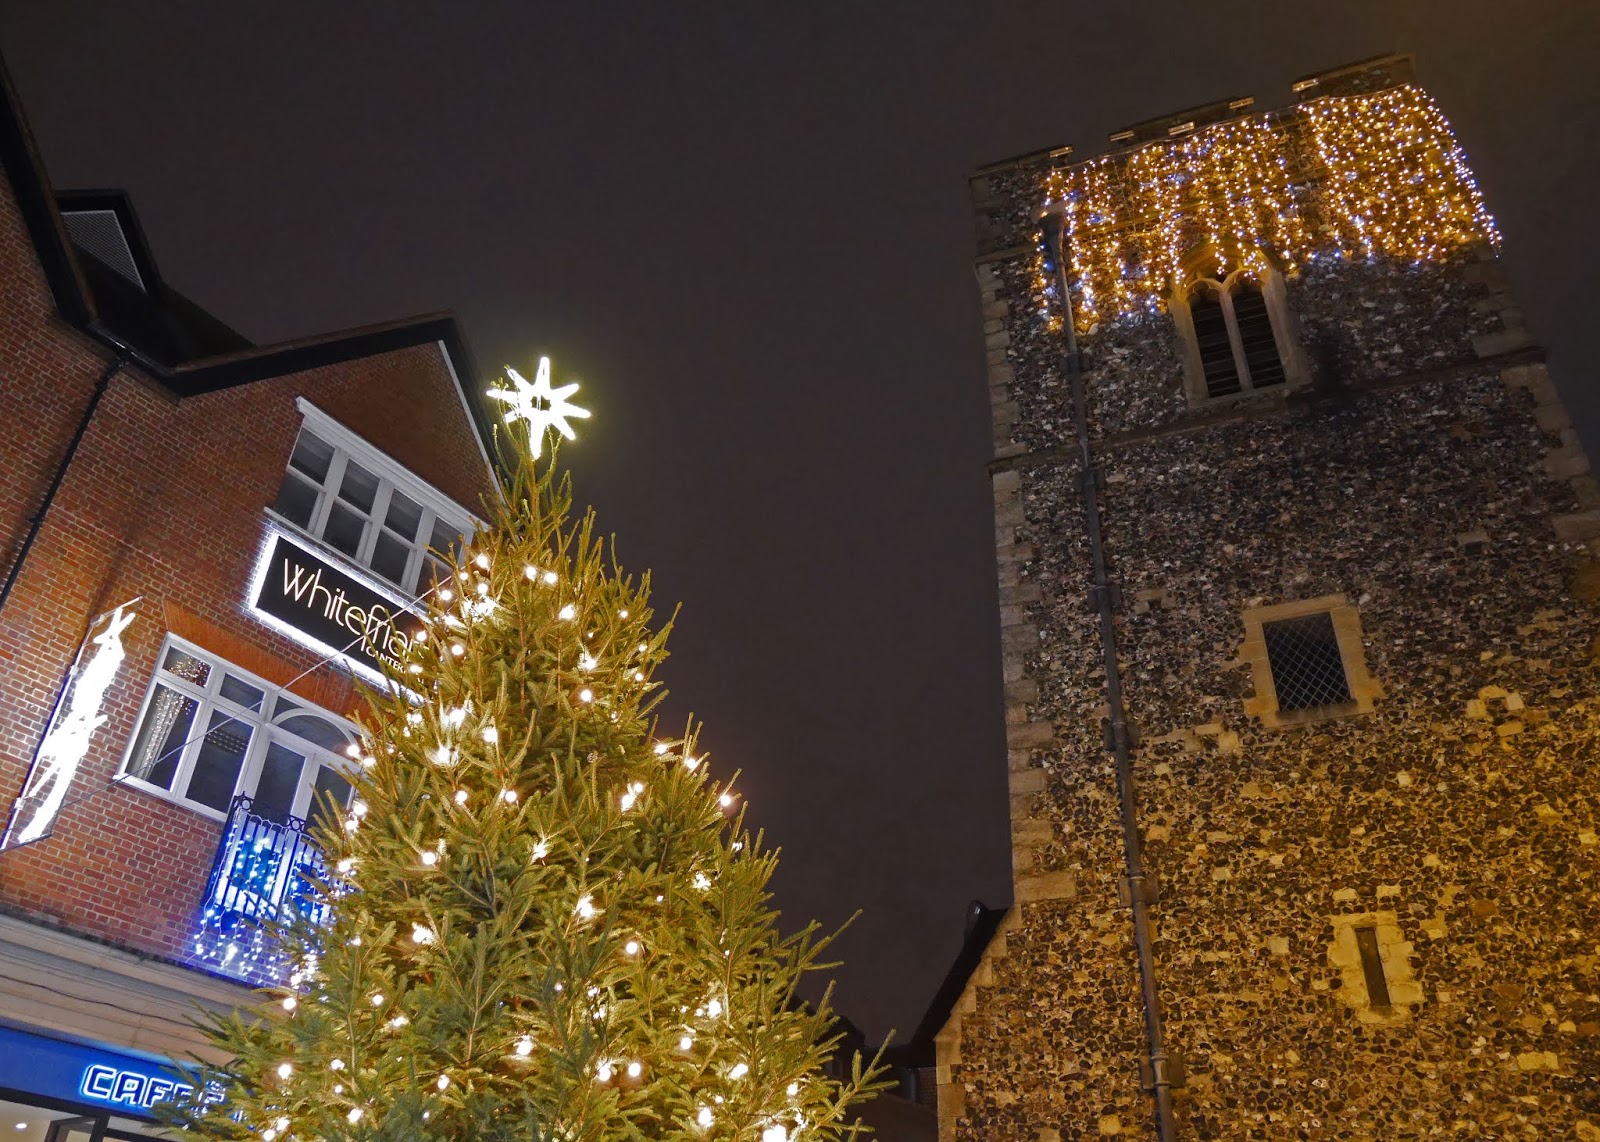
324 607
138 1089
79 1073
72 726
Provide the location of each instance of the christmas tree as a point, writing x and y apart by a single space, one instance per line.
540 918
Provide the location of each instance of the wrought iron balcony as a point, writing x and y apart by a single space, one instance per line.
264 870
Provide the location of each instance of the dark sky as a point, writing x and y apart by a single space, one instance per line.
745 229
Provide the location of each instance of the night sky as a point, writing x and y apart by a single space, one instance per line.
745 230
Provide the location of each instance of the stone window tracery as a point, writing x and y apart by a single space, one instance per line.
1238 335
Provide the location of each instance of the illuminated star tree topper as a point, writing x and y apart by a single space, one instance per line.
541 406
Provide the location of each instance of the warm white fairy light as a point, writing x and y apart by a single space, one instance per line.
346 864
290 1003
336 1065
1375 174
632 947
285 1070
461 796
421 934
726 800
704 1117
377 999
490 734
354 1116
457 649
398 1022
542 406
685 1042
430 858
702 881
586 695
585 907
524 1046
444 755
509 796
540 850
551 578
567 613
691 763
635 1069
587 661
775 1133
443 1082
602 1070
739 1070
662 749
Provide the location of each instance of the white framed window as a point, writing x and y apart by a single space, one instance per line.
340 489
209 731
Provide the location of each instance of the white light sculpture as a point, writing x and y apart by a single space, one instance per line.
66 743
540 405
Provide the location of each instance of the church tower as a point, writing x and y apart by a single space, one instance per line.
1296 551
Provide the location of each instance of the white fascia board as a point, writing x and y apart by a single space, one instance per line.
472 421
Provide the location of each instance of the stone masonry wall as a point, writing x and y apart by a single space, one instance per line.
1431 478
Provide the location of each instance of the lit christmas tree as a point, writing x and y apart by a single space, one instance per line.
545 921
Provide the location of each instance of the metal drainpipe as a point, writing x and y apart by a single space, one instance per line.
1120 744
37 521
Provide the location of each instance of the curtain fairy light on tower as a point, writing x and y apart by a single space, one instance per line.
1377 175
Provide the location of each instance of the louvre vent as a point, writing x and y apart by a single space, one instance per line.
99 233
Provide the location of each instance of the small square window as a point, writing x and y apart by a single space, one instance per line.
1307 668
297 500
404 516
312 456
359 486
1308 662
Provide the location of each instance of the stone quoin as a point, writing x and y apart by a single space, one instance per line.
1350 539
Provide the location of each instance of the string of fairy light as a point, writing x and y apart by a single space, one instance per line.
1375 175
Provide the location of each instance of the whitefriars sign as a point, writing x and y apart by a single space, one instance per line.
327 608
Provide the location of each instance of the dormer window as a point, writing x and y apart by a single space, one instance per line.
1238 335
343 491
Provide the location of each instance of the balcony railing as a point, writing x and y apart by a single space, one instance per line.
263 871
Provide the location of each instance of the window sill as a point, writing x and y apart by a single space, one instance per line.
1294 719
1200 403
139 785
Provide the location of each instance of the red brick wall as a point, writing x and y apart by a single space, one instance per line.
165 501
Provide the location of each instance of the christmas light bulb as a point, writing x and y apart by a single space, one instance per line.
398 1022
691 763
354 1116
702 881
461 796
685 1042
586 695
285 1070
352 750
336 1065
377 999
775 1133
662 748
524 1046
739 1070
421 935
631 947
714 1009
443 1083
430 858
446 594
457 649
346 864
567 613
635 1069
509 796
414 718
793 1089
585 908
587 661
602 1070
725 800
490 734
290 1003
704 1117
551 578
482 561
531 571
540 850
622 614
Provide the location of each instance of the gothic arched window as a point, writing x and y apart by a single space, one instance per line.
1234 340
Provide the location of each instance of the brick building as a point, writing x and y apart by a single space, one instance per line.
203 542
1296 553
